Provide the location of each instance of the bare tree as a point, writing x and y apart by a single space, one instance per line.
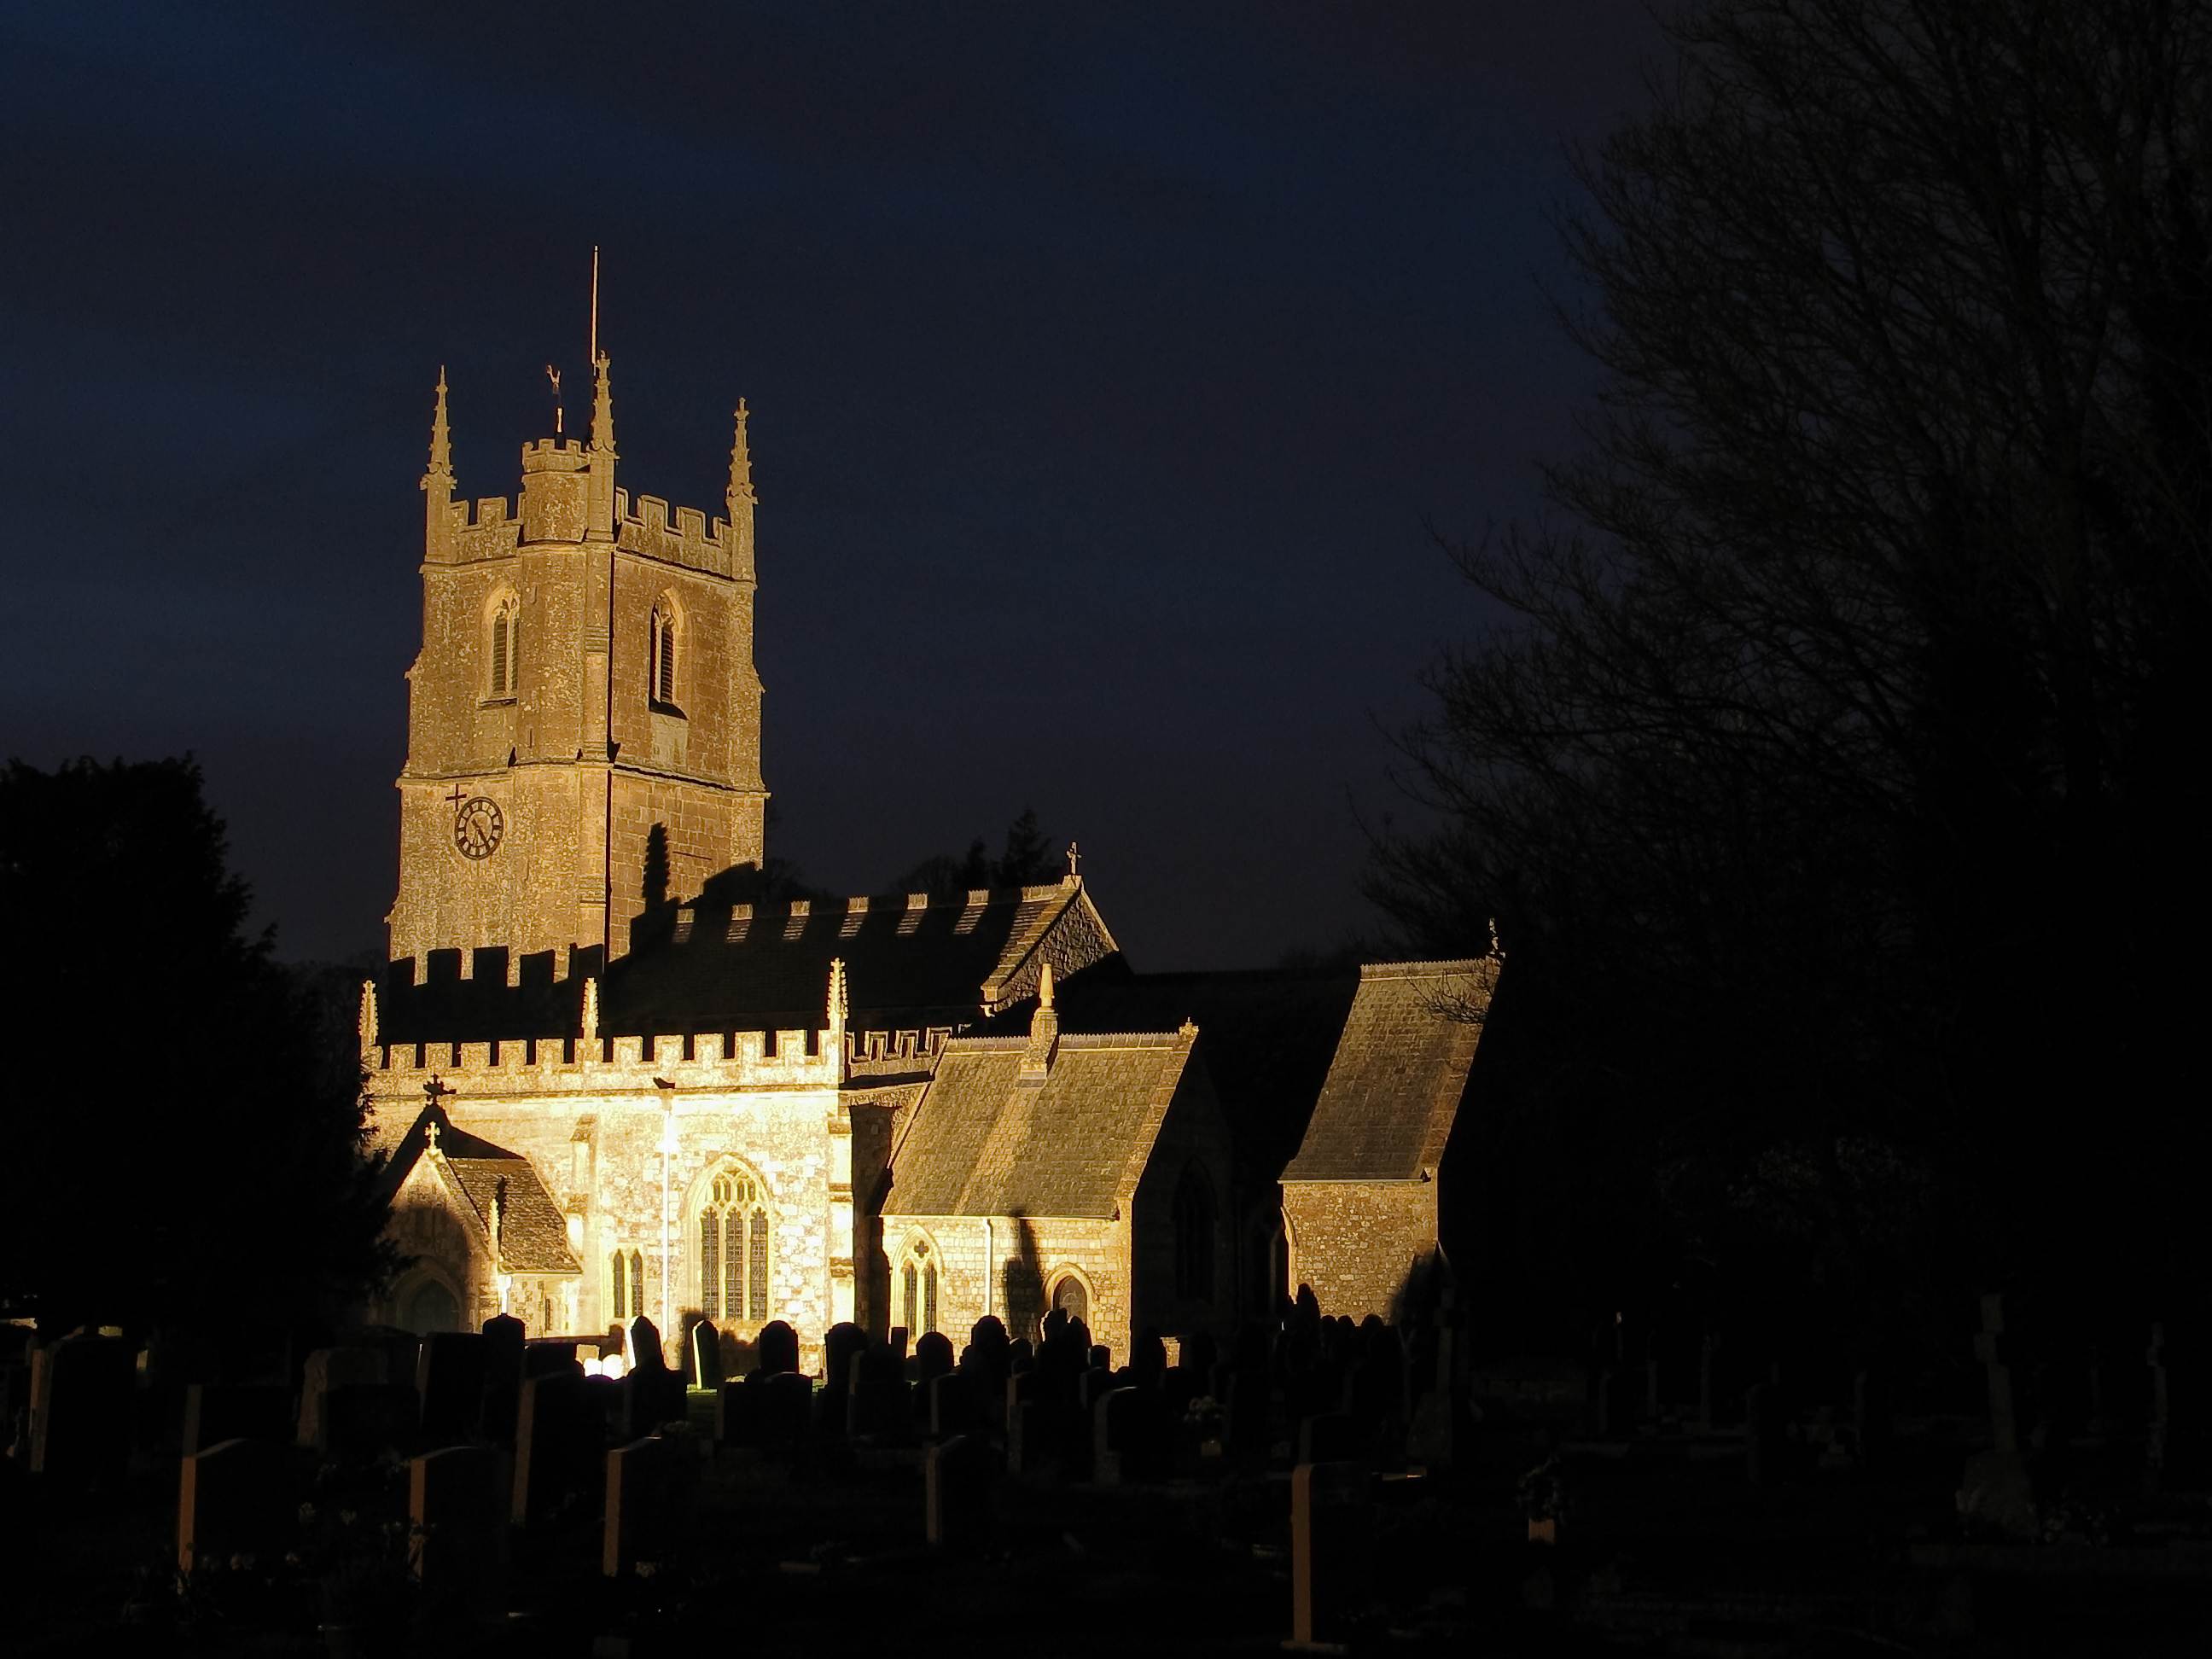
1834 767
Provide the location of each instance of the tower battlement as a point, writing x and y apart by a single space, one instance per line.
683 535
779 1059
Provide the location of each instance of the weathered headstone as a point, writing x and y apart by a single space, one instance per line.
457 1544
648 1493
956 1476
558 1438
840 1345
362 1422
328 1368
704 1353
1330 1528
215 1412
234 1497
503 1357
1997 1493
783 1414
82 1389
779 1348
449 1378
878 1401
955 1405
1129 1440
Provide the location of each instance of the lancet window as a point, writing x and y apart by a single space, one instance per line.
626 1285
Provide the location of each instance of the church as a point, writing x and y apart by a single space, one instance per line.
613 1077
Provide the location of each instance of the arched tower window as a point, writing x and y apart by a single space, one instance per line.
918 1289
1194 1235
506 648
661 652
733 1233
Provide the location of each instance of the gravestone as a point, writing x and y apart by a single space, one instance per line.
2155 1439
215 1412
957 1475
362 1422
933 1358
503 1358
1329 1437
328 1368
1248 1419
955 1405
234 1497
558 1439
648 1488
1129 1438
879 1403
704 1352
840 1345
548 1356
734 1402
1031 1445
1331 1524
449 1378
457 1541
1997 1493
652 1394
82 1389
778 1350
783 1413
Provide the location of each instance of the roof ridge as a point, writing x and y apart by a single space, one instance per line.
1437 969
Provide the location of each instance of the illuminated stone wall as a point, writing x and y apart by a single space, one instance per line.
1355 1242
590 1118
580 762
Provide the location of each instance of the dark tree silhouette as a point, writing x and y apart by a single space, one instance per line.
1025 860
1829 760
183 1148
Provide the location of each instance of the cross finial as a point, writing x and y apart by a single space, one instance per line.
1074 857
430 1133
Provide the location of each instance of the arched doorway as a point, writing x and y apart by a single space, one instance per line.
427 1306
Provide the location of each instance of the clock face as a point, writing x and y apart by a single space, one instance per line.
477 827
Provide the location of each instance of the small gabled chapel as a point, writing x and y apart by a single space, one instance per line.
613 1083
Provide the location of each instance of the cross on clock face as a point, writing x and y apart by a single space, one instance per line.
477 827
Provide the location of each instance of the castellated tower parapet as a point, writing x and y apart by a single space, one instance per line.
584 715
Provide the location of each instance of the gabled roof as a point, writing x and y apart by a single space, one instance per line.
533 1234
987 1140
1400 1070
1270 1035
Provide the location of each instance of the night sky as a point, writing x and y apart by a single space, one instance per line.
1107 363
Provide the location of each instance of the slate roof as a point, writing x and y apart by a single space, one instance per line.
1270 1035
986 1141
910 962
1399 1071
533 1233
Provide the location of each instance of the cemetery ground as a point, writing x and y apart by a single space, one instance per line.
907 1515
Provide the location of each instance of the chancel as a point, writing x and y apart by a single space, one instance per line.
617 1079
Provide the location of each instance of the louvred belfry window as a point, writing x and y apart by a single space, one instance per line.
505 648
662 643
733 1233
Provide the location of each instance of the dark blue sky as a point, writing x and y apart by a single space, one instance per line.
1106 365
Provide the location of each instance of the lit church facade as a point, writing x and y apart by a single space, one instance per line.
611 1083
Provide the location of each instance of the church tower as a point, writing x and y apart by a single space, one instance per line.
583 733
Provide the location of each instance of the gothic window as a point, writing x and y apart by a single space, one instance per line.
662 653
506 648
918 1290
1194 1235
734 1249
626 1283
